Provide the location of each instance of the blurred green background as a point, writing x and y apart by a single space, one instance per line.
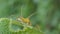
47 15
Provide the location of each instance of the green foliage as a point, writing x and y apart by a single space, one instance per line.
47 16
9 26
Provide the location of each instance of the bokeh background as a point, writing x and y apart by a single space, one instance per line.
47 13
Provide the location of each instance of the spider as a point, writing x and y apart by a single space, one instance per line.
25 20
